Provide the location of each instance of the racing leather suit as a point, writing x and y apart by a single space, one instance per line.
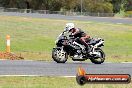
83 37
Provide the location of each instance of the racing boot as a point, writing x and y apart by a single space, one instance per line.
78 54
88 50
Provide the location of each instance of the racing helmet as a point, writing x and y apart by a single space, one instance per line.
69 26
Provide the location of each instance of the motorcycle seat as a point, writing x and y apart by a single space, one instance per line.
94 41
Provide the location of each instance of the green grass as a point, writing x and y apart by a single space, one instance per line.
34 37
51 82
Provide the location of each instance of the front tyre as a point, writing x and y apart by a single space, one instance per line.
59 56
100 59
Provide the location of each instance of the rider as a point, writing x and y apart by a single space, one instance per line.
77 32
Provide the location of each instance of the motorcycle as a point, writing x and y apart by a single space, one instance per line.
67 45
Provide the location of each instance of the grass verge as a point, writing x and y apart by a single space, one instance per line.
51 82
34 37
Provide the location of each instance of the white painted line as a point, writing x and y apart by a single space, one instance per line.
119 23
35 76
68 76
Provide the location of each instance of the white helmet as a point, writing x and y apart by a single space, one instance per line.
69 26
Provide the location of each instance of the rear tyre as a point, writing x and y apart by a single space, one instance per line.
100 59
59 56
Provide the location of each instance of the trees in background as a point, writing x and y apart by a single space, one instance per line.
101 6
129 5
95 6
119 5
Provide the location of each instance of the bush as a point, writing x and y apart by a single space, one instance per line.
128 14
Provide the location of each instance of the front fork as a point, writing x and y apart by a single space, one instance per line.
62 53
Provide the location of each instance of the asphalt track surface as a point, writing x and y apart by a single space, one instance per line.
42 68
80 18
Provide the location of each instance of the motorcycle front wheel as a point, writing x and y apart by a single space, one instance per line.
59 56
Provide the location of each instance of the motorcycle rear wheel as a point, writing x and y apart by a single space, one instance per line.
100 59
